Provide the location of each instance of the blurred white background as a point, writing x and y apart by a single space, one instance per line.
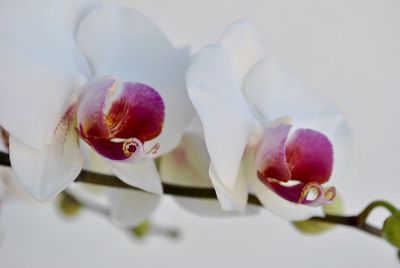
349 52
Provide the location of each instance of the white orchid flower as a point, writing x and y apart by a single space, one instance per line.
242 100
131 105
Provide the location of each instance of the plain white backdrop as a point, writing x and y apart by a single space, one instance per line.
349 52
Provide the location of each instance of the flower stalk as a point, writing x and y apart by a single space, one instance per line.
358 222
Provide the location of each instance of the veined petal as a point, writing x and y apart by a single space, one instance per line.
227 120
244 47
276 93
40 72
231 199
142 174
46 172
129 207
139 52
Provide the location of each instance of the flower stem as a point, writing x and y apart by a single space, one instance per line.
358 222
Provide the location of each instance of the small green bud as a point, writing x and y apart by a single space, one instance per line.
141 230
313 227
68 206
391 229
336 207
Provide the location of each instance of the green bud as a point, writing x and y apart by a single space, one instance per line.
391 229
336 207
141 230
68 206
313 227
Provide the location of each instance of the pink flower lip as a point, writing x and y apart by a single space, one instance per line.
295 168
118 125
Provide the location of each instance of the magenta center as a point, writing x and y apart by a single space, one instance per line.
118 127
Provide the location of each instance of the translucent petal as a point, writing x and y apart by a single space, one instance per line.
46 172
130 207
142 174
187 165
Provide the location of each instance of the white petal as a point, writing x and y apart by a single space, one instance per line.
46 172
38 73
227 120
90 193
231 199
195 127
142 174
122 41
130 207
187 165
244 46
276 93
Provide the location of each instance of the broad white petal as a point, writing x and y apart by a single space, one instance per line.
46 172
187 165
90 193
122 41
130 207
276 93
227 120
244 46
231 199
142 174
274 203
38 71
195 127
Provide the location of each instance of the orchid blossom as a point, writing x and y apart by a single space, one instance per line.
247 105
83 69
